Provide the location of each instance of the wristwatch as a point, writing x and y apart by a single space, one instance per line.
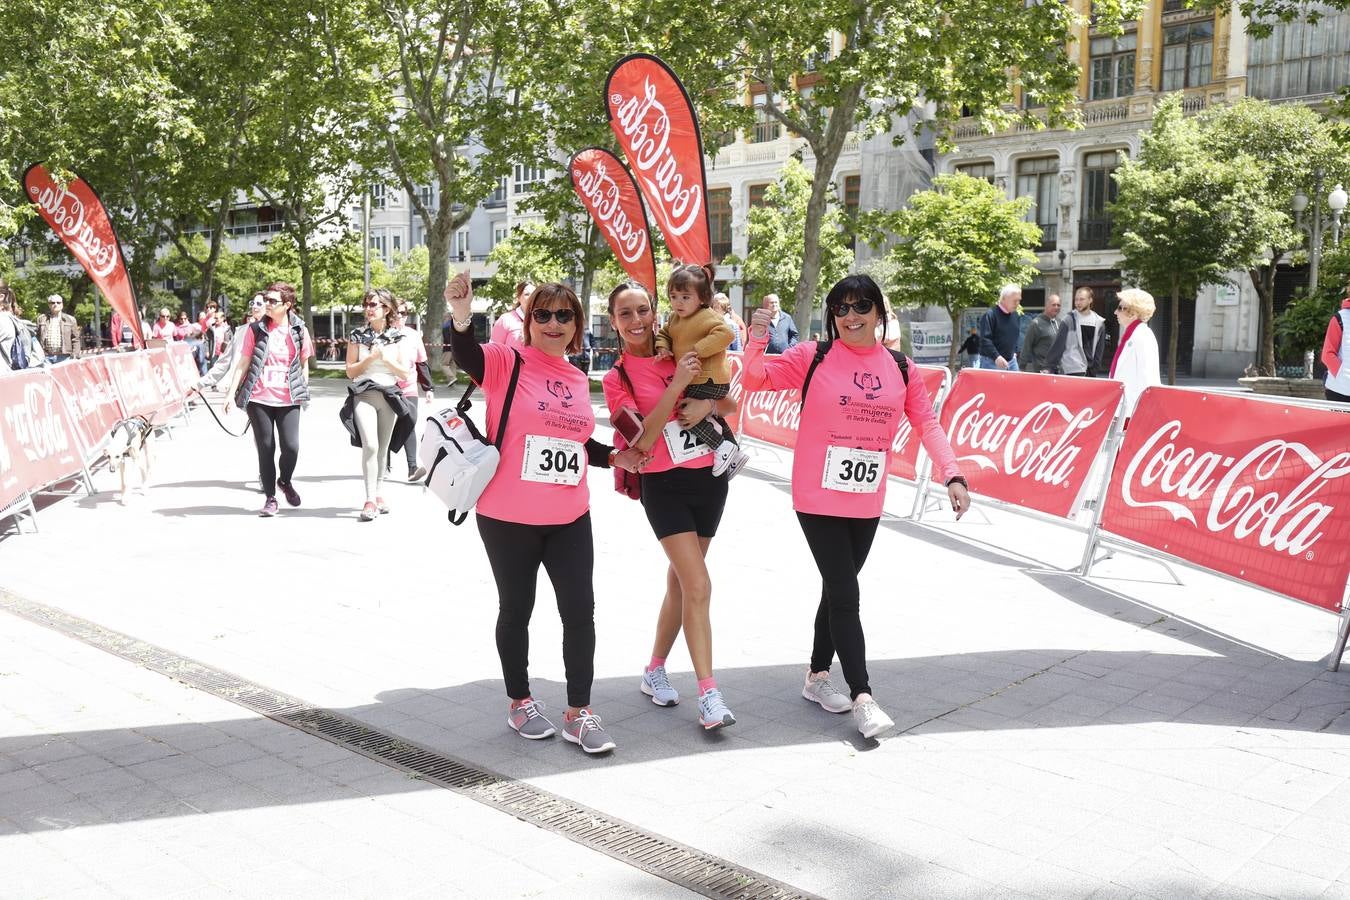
961 480
613 452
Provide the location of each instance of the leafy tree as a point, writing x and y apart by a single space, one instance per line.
408 278
1185 219
1263 15
1288 143
1303 324
775 261
957 245
528 254
871 62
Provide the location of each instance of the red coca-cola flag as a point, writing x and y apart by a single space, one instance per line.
657 127
905 447
1028 439
1254 489
608 192
77 216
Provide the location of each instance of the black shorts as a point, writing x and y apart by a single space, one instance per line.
683 500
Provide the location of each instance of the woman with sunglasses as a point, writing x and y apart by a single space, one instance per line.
851 411
536 510
376 413
682 498
225 364
271 383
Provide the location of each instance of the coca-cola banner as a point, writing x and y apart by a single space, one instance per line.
1028 439
905 447
145 384
93 401
77 216
1253 489
736 363
611 197
171 393
184 368
37 436
657 127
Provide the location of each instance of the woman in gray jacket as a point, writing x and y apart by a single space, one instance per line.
1082 338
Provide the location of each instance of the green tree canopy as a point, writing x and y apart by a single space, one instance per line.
775 262
528 254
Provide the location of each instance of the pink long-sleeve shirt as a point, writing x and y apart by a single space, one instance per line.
1331 344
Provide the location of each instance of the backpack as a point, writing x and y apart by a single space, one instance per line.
823 348
23 343
460 462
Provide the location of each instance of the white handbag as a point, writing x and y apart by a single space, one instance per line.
459 460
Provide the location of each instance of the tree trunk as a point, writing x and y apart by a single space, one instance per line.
306 258
1263 279
951 353
217 242
438 262
1174 316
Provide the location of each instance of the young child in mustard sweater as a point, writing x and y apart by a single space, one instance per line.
695 326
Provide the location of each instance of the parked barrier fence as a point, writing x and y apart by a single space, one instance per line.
1251 489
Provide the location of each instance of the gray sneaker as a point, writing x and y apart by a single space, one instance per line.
870 719
528 721
713 712
819 690
656 684
586 733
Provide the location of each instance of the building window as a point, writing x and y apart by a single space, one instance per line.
498 197
757 194
396 242
378 196
766 127
852 201
500 232
1300 60
1112 67
1187 53
1099 190
460 251
379 245
719 218
983 170
1039 180
427 194
527 177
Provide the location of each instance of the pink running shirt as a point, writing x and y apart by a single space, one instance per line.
509 328
409 388
552 402
650 378
855 401
274 388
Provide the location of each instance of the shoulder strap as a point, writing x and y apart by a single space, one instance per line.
463 404
903 362
822 348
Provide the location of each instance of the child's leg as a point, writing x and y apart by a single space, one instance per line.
712 430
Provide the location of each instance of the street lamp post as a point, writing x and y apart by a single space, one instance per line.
1336 201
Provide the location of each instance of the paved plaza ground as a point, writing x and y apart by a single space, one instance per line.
1121 737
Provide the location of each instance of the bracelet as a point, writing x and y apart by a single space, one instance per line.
462 326
961 480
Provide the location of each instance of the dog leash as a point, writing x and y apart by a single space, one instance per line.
212 410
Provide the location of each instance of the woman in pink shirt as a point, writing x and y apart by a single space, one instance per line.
854 394
536 510
271 383
682 498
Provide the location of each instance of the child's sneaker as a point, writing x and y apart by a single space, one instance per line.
713 712
728 459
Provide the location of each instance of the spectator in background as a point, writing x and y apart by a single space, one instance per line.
163 328
422 381
9 328
207 317
224 363
782 330
1082 338
216 337
722 303
999 331
891 333
190 334
1336 351
1040 338
510 325
59 332
1136 359
971 348
121 333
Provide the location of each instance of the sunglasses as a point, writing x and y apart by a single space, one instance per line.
544 316
372 304
861 307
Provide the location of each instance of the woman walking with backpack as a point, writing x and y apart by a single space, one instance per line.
854 392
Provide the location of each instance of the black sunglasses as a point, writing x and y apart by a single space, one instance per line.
861 307
542 316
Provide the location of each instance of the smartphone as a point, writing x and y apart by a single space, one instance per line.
628 423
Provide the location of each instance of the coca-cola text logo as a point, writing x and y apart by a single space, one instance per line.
644 124
1289 523
781 409
37 427
67 216
1049 460
603 195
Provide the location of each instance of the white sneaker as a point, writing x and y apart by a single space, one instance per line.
819 690
870 719
728 459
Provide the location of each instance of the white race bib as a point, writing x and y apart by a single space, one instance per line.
275 376
550 460
683 445
853 471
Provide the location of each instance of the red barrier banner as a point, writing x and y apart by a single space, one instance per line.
654 120
93 399
184 368
1251 489
77 216
610 195
138 384
37 436
170 393
736 363
905 447
1028 439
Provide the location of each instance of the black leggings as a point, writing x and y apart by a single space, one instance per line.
269 422
567 554
410 445
840 548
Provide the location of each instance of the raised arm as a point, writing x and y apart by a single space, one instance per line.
783 373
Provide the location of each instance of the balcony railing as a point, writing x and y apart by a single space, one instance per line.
239 230
764 132
1094 234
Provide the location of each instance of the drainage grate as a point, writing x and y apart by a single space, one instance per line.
685 866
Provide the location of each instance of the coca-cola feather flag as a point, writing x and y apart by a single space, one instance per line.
77 216
657 128
609 194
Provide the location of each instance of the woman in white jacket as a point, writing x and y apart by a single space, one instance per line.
1136 359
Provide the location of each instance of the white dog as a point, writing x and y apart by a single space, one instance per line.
129 453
